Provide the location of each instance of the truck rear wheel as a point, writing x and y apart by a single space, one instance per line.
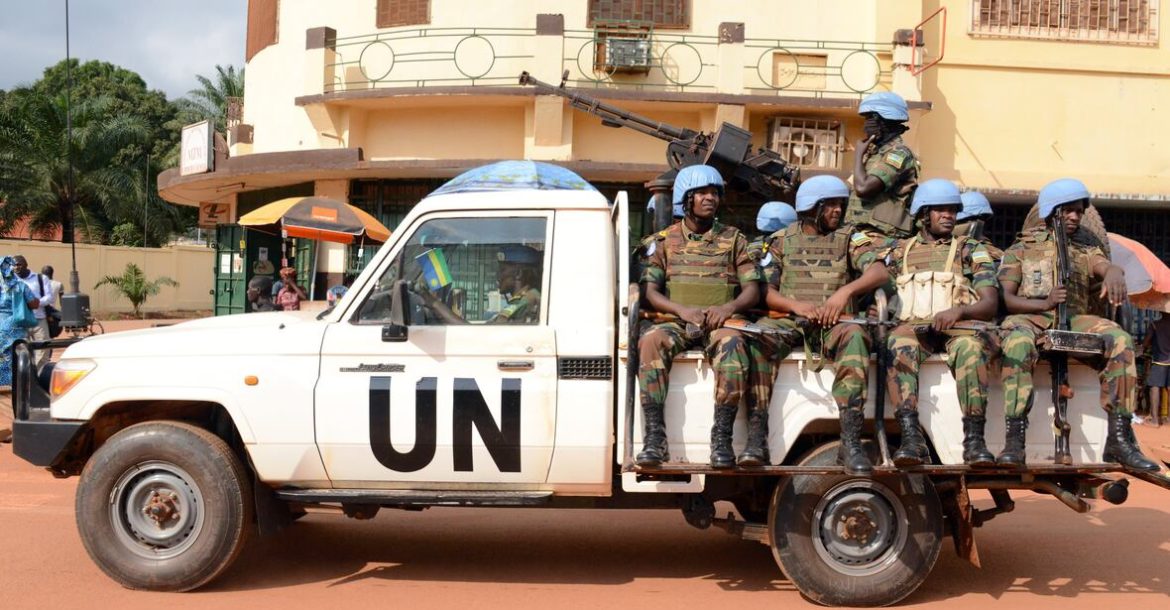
855 541
164 506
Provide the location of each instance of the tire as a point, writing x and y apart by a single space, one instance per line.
837 571
186 475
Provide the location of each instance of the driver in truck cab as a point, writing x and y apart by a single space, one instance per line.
518 276
698 273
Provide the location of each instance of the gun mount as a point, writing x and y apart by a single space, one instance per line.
758 171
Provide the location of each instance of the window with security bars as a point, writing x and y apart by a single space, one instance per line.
671 14
387 200
815 143
395 13
1110 21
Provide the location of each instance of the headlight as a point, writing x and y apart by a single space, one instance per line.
66 375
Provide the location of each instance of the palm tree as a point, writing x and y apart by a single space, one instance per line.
34 164
133 285
211 99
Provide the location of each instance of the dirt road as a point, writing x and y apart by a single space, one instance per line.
1041 556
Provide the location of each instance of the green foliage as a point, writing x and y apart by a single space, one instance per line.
124 136
126 234
210 99
34 170
133 285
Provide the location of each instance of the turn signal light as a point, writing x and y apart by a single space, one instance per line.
67 374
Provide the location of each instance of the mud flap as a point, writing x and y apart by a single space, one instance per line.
962 516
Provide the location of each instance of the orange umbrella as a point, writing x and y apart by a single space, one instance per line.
1147 278
318 218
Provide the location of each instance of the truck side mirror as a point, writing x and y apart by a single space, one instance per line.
396 331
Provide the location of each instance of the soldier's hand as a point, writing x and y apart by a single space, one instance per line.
1058 296
945 320
1114 286
833 308
862 147
716 316
693 315
807 311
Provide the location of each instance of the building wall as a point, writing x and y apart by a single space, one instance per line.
190 266
1014 114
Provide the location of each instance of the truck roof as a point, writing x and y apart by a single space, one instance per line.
519 199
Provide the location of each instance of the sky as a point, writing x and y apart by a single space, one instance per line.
167 42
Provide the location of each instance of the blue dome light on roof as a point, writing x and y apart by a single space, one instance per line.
515 176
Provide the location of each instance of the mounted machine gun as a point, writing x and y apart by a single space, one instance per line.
758 171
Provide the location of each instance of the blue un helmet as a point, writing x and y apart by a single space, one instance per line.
935 192
675 210
1059 192
818 188
974 204
518 255
888 105
694 177
775 215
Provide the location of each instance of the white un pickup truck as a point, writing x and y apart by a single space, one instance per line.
189 438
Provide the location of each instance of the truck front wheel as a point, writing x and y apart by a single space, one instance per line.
164 506
855 541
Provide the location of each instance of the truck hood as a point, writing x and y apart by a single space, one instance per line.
282 333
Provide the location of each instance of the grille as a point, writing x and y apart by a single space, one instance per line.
585 367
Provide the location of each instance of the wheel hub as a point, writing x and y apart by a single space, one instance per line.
156 509
858 527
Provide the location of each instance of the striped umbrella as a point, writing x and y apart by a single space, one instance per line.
1147 278
317 218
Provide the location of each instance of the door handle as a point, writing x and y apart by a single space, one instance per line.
515 365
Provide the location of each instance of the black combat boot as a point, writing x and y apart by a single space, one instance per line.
1013 455
756 452
975 451
912 451
654 450
850 454
721 454
1120 447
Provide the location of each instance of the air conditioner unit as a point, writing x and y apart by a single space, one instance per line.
628 54
807 143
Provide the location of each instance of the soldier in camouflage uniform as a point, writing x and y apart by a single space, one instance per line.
885 170
815 270
969 351
1026 277
698 272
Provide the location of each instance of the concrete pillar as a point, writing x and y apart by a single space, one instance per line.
320 52
730 58
549 136
904 83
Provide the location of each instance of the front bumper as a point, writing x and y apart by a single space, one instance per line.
36 437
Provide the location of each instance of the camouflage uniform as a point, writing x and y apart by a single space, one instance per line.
886 213
790 266
521 308
1118 373
715 259
968 353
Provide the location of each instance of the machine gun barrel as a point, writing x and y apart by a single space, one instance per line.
611 116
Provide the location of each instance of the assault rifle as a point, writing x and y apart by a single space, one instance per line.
759 171
693 332
1058 360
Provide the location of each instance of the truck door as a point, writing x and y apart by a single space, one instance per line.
469 396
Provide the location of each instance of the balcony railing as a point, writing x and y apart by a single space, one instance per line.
675 62
430 57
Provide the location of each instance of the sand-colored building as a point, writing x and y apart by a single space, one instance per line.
378 101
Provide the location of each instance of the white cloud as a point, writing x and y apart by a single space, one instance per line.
167 42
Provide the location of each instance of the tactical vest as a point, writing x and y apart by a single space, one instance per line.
1038 273
700 272
815 266
888 211
931 280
